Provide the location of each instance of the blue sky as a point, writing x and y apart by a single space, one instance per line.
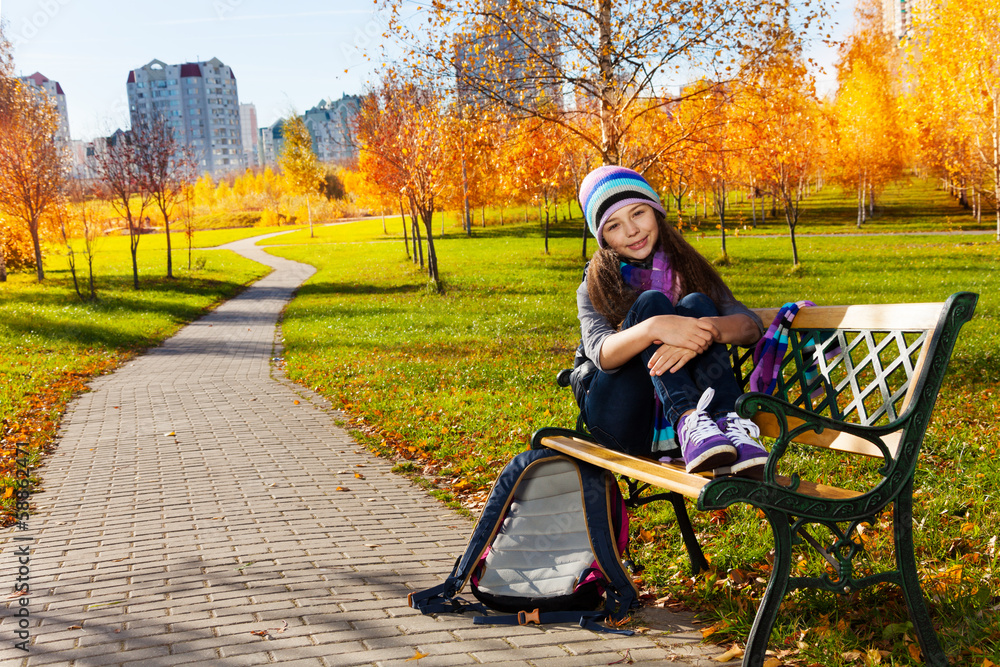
286 55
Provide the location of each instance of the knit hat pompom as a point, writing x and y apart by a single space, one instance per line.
607 189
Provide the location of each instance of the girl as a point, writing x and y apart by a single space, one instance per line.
655 319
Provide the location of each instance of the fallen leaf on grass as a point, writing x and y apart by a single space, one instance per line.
734 652
416 656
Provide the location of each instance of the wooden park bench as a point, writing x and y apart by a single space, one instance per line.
857 381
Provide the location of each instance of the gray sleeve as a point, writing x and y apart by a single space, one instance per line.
594 328
731 306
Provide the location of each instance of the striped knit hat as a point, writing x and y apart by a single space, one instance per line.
609 188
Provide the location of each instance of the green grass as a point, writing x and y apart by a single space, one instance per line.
209 238
452 385
51 342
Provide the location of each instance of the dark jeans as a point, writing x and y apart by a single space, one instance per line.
618 409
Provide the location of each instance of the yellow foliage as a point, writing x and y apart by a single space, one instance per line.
15 244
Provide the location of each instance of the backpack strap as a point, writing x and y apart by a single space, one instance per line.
443 599
621 594
590 620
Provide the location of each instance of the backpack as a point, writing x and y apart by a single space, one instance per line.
547 548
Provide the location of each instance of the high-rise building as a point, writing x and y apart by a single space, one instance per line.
248 134
200 102
55 93
331 125
512 61
897 15
269 144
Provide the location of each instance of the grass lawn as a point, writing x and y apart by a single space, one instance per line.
51 343
451 386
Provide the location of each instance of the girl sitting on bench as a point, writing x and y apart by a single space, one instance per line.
655 319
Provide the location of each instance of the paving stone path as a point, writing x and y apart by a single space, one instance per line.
189 517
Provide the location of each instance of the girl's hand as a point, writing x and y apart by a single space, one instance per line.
688 333
669 358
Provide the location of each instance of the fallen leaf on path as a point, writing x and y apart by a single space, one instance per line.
295 402
416 656
98 605
342 488
772 662
359 475
627 660
75 627
171 433
734 652
278 631
260 633
17 594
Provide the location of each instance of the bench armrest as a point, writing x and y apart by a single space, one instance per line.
783 412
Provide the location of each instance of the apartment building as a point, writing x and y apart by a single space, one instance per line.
331 125
55 92
248 133
200 102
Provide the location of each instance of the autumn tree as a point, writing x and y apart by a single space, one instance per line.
526 56
402 132
165 167
955 85
299 163
868 130
784 112
32 165
116 161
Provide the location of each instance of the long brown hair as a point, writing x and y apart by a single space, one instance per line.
613 297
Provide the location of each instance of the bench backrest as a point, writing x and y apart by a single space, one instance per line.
864 364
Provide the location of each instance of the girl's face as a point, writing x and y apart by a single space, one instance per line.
632 231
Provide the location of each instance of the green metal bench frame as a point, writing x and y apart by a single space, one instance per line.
860 380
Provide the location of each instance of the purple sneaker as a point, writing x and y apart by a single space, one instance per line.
750 455
703 444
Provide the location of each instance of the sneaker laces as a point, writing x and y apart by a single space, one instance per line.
742 431
698 425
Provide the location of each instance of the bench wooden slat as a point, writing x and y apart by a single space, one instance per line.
881 317
668 476
644 470
829 439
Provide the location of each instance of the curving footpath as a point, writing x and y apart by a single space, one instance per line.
190 516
